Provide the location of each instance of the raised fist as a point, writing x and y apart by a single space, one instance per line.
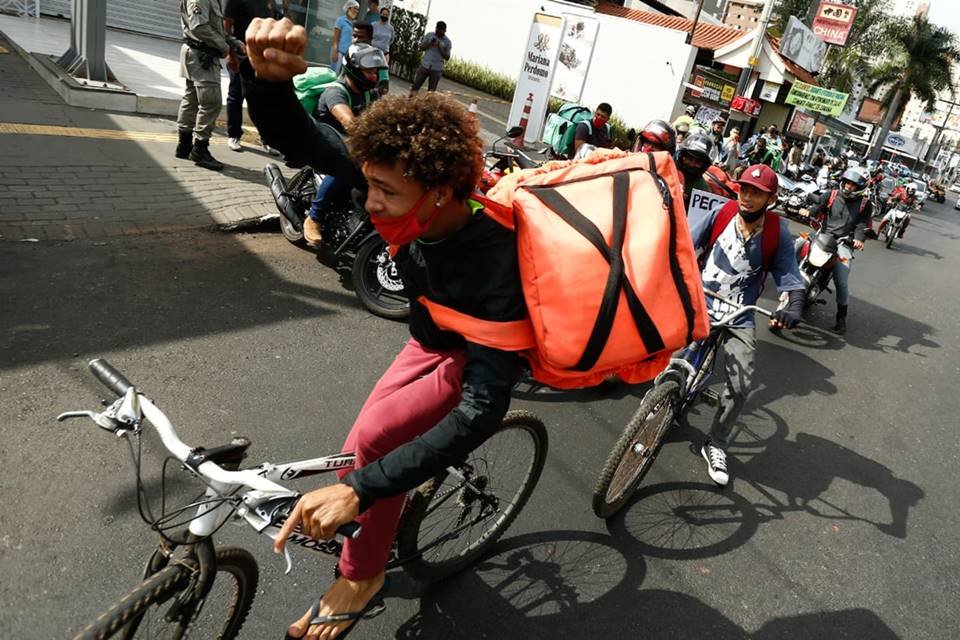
275 48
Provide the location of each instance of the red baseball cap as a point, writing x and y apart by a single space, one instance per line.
760 176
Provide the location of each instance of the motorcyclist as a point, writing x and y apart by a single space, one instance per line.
826 173
693 159
760 154
716 135
338 106
683 130
842 212
657 135
904 197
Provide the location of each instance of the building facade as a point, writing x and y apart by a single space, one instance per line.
743 14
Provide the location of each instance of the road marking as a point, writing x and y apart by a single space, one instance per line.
12 128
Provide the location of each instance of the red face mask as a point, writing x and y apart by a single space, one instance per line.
599 121
406 228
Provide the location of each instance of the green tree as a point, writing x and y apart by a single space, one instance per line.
782 11
867 42
919 63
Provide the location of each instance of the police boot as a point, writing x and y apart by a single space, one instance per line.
841 326
185 146
202 158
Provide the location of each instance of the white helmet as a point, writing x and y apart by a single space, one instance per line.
911 188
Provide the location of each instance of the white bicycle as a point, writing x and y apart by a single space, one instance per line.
192 587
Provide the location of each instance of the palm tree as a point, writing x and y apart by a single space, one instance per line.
919 64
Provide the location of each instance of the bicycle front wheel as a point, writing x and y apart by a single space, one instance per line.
451 522
143 612
637 448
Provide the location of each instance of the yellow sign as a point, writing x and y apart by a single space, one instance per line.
727 95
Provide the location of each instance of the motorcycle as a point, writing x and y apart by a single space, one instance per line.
504 157
892 230
792 196
937 193
348 235
818 257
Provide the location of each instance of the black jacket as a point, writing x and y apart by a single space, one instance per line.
845 217
474 271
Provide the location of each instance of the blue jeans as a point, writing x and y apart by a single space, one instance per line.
235 107
323 191
841 276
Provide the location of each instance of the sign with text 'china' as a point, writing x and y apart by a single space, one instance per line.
833 22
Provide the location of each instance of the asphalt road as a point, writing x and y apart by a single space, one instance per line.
841 520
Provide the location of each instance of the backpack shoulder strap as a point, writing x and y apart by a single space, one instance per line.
727 213
770 241
831 199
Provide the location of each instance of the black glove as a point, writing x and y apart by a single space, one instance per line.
787 318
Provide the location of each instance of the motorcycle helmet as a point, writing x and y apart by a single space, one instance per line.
696 148
660 134
361 57
857 179
911 189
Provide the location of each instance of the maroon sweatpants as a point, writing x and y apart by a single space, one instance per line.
416 392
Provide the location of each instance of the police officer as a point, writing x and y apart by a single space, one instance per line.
204 43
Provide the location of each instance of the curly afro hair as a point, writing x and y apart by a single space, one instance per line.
432 135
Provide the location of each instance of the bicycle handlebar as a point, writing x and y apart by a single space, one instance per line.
119 384
733 315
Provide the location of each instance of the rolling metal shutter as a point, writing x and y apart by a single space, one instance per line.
153 17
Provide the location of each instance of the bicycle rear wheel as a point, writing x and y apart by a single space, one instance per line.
221 614
448 526
634 453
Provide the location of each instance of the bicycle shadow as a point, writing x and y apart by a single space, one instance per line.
693 520
533 585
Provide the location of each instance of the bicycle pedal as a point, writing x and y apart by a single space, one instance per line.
710 397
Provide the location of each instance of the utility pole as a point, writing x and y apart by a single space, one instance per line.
761 33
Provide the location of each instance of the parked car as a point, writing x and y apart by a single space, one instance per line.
955 187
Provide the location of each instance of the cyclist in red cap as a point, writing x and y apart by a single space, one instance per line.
738 246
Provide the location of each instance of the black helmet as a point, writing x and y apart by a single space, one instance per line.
661 134
360 57
696 146
857 179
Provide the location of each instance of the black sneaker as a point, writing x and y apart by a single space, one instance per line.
716 463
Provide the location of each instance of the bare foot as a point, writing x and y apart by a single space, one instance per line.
343 596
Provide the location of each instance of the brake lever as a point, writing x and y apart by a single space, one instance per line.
102 420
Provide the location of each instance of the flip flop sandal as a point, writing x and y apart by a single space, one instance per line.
375 606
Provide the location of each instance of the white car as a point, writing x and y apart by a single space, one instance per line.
921 193
955 187
957 206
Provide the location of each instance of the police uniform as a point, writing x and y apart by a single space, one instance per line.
205 43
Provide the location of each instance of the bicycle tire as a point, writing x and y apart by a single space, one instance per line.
125 618
625 466
428 564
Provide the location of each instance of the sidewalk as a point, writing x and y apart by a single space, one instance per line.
68 172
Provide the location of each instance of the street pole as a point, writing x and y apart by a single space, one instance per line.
757 47
696 20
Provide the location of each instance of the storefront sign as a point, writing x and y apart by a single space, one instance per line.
802 125
530 98
833 22
769 91
746 105
706 116
576 49
817 99
713 89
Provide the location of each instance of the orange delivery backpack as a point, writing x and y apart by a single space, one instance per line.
607 265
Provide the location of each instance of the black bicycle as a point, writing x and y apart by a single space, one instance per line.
675 390
192 586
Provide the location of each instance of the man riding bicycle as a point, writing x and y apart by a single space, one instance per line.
904 197
338 106
443 396
736 259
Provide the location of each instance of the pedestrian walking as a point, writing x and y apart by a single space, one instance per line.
343 33
383 33
436 48
237 15
731 150
205 42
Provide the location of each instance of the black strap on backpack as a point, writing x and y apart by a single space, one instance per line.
616 280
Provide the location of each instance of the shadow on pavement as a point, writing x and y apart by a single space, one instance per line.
876 328
692 520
